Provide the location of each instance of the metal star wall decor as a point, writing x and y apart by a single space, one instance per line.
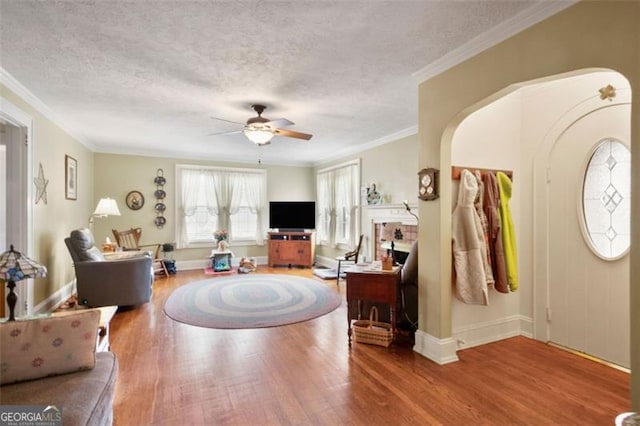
41 186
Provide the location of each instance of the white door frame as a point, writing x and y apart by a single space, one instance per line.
17 117
541 215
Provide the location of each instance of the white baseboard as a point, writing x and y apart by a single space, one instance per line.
492 331
526 326
443 351
56 299
440 351
190 265
328 262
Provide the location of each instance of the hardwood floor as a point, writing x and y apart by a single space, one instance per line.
176 374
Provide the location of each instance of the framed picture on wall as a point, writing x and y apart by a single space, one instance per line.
70 178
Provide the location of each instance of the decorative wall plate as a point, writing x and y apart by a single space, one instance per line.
160 194
134 200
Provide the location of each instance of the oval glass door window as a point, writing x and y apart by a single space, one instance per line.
606 200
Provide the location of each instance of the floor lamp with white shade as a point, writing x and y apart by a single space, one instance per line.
106 207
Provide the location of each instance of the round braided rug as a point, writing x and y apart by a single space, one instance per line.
250 301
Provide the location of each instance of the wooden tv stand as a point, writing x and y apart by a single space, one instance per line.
292 248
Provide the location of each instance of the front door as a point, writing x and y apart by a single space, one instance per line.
588 295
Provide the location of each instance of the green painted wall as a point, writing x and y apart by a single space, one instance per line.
53 221
393 168
117 175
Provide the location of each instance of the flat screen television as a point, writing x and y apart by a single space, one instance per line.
292 215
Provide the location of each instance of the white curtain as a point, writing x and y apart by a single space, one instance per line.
254 185
345 182
326 208
222 190
190 182
338 202
210 196
223 193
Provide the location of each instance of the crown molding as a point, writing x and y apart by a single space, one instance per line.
523 20
213 157
15 86
392 137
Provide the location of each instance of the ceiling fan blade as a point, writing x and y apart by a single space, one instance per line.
228 121
279 122
292 134
225 133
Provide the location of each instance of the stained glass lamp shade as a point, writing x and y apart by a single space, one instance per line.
16 267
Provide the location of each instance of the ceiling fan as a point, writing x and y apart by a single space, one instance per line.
261 130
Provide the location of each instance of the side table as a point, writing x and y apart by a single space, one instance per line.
106 314
373 285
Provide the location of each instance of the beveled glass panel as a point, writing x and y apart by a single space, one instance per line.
606 202
596 216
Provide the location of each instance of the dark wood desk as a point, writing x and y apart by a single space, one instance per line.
372 286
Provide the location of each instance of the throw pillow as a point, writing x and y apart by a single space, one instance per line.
41 347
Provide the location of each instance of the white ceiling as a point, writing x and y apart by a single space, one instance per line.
145 77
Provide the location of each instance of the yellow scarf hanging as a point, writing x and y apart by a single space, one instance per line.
508 231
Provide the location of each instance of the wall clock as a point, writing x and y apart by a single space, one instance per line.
428 184
135 200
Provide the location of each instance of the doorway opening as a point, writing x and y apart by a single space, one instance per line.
521 129
16 225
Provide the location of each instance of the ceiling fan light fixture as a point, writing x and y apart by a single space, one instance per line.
259 136
261 130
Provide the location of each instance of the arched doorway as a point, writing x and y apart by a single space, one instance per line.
516 130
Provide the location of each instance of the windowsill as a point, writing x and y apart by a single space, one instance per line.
339 246
210 244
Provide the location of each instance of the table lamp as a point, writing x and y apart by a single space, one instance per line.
16 267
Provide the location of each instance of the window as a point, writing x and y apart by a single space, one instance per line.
338 204
211 198
606 204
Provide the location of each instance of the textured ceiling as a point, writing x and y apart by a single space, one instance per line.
145 77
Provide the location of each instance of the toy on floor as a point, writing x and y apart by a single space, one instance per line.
247 265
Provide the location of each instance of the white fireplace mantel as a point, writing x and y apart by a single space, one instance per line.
380 213
383 213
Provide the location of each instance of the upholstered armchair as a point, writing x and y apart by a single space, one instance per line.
101 281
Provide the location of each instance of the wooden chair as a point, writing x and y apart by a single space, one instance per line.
129 239
351 257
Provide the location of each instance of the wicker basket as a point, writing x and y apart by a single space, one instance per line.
372 331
